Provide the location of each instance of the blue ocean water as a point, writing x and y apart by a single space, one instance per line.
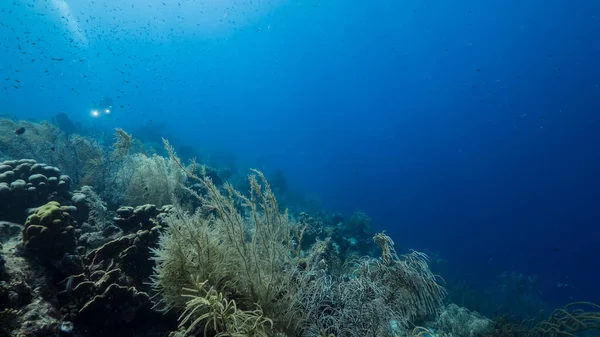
468 129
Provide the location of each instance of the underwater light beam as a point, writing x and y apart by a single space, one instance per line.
64 10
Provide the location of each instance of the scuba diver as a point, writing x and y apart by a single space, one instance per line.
101 120
103 107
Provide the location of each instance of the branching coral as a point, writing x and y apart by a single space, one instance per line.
211 308
575 319
245 249
572 319
86 160
460 322
35 142
407 278
122 145
142 179
80 157
244 246
398 289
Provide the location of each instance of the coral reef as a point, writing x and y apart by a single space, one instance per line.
218 262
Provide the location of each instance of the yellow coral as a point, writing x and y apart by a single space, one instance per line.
49 231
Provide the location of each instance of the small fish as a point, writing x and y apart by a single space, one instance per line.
20 131
69 286
53 149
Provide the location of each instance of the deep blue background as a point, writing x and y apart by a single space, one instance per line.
467 127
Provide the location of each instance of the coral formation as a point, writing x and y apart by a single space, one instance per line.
460 322
2 260
252 261
244 249
65 124
575 318
25 292
376 292
85 159
350 239
24 183
49 233
155 179
143 217
9 230
91 209
116 307
8 321
109 296
221 315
